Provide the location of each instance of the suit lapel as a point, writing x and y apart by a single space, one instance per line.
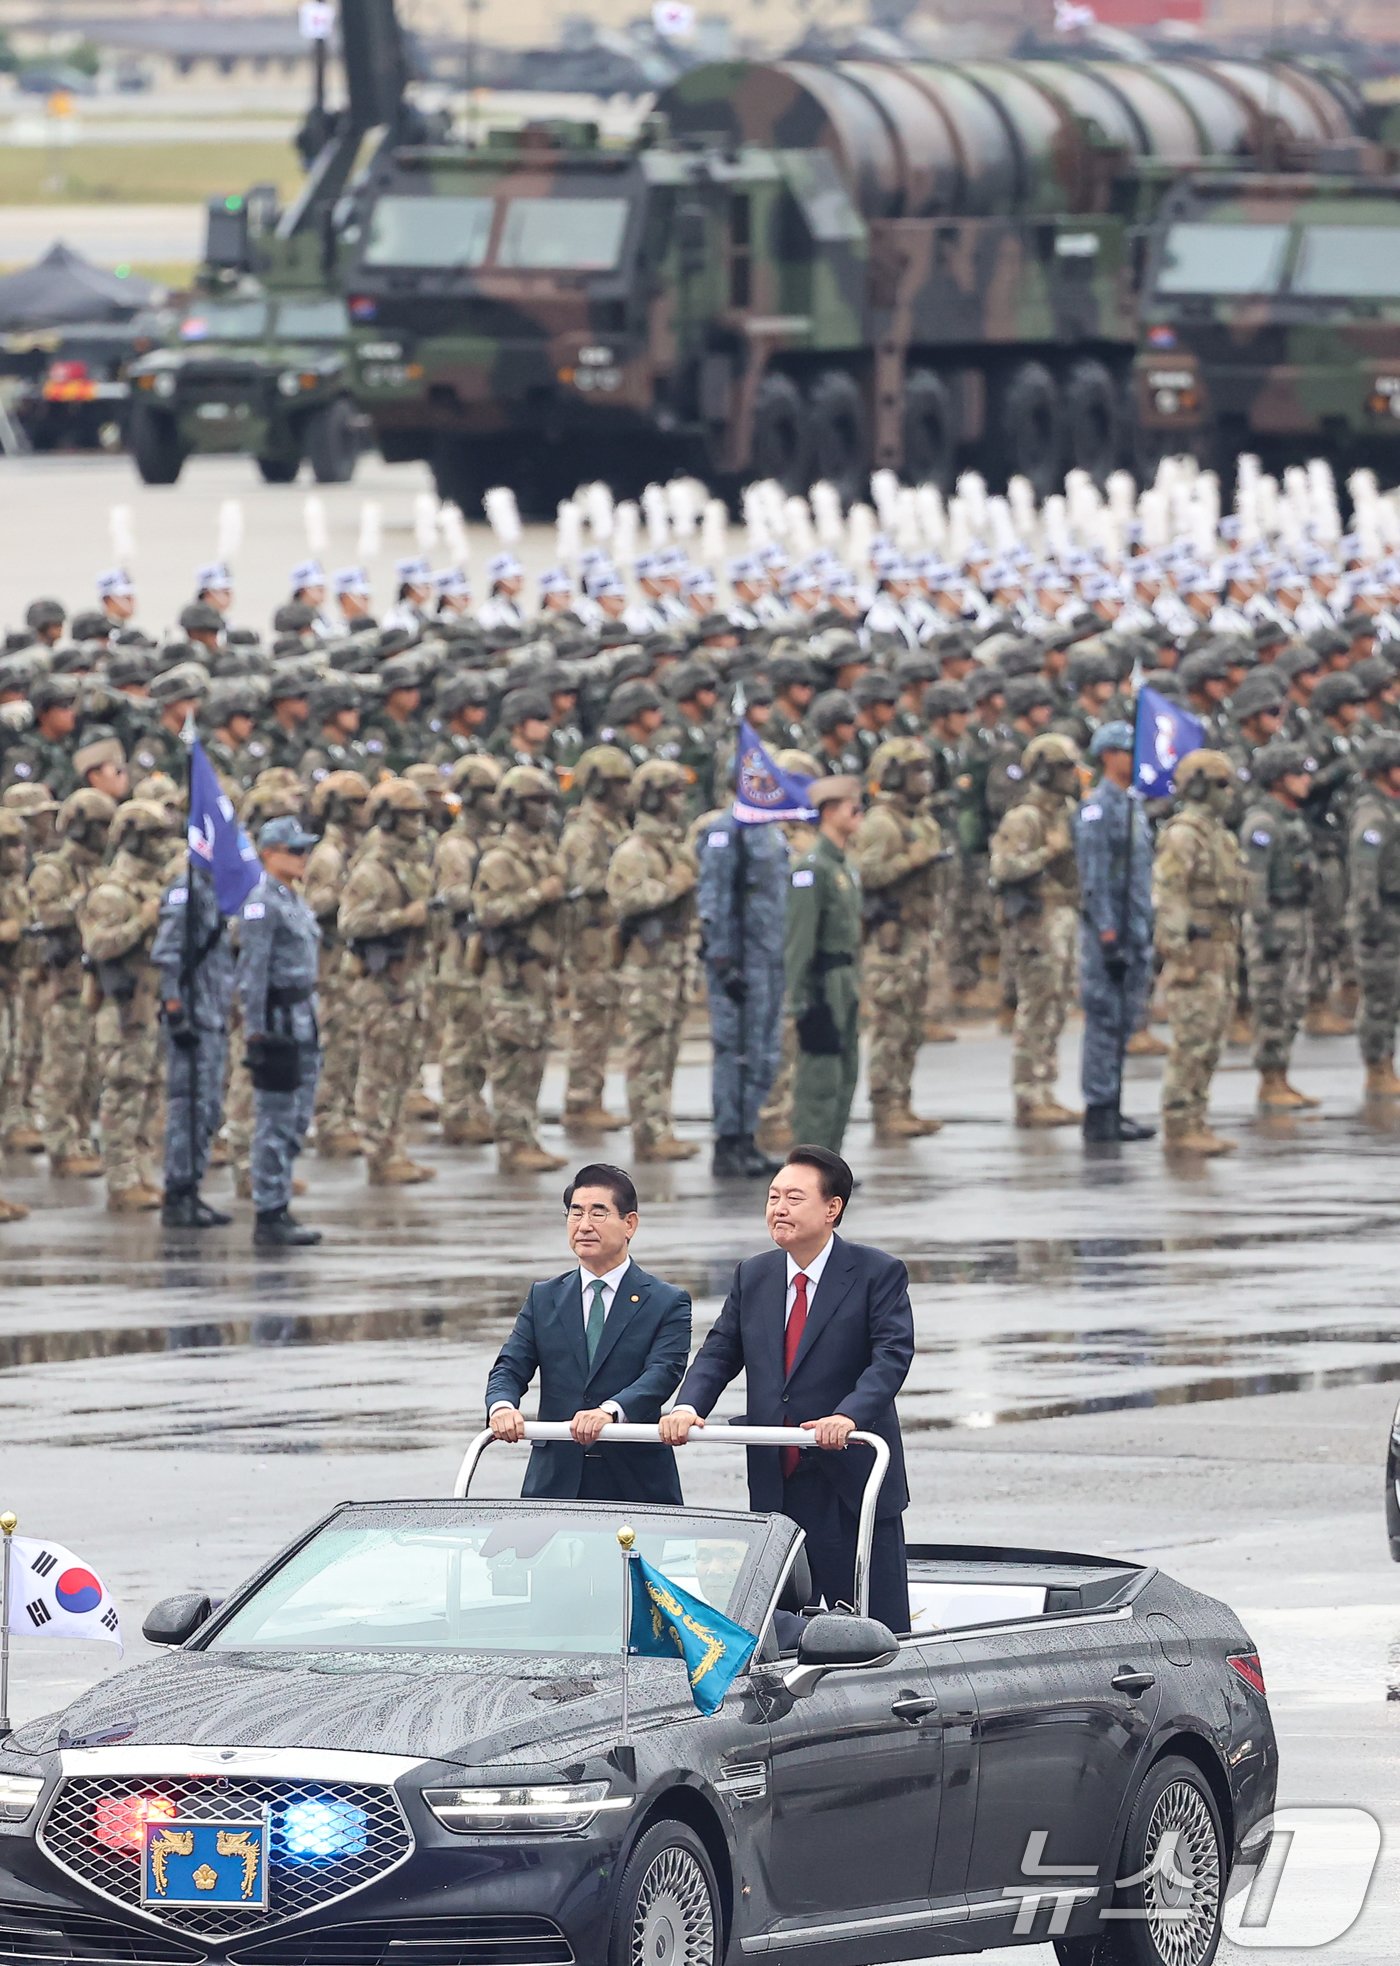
568 1308
827 1298
634 1283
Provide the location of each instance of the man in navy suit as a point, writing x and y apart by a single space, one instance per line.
609 1342
825 1334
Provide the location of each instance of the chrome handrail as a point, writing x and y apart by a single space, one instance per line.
719 1435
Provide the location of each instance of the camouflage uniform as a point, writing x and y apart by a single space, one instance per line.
19 1116
821 961
269 800
1375 927
458 1011
118 917
516 899
384 921
592 834
973 953
1197 892
1279 868
67 1083
897 855
774 1132
651 888
1034 866
14 915
322 887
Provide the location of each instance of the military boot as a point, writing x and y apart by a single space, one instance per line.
1146 1044
278 1228
344 1145
916 1125
76 1167
185 1208
1040 1114
1241 1032
593 1119
12 1211
476 1130
1277 1095
1324 1022
665 1147
527 1157
135 1200
1195 1137
399 1172
773 1138
890 1122
1381 1082
418 1106
937 1032
24 1140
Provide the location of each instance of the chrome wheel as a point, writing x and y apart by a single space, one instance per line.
1181 1881
674 1920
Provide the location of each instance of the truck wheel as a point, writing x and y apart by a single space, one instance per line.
1028 429
781 439
667 1909
1174 1855
279 470
839 434
156 450
1093 420
333 443
930 445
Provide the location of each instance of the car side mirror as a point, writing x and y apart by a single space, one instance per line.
836 1638
176 1619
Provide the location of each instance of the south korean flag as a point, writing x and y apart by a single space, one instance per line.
50 1594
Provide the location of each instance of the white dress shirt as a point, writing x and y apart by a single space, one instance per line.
813 1274
611 1281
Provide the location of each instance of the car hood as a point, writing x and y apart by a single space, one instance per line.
470 1708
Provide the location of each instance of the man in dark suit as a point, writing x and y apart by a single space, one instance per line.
825 1334
609 1343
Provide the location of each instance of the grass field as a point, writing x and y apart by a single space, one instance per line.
142 173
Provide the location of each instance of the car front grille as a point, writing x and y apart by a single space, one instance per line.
30 1935
296 1883
474 1941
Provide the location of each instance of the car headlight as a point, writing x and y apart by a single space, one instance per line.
289 383
557 1806
18 1794
165 384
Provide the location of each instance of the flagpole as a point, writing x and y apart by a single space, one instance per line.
626 1537
191 1056
9 1522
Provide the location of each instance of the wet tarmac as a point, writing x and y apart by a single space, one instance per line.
1196 1367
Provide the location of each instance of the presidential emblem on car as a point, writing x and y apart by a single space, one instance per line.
185 1863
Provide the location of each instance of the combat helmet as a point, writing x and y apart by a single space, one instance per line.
656 782
600 766
139 820
1275 761
1051 760
392 796
84 818
832 707
337 793
1201 774
894 760
474 778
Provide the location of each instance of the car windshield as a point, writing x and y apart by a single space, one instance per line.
530 1581
225 320
429 231
1223 259
1352 262
312 320
580 234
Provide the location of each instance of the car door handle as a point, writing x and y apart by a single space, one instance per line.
911 1706
1133 1683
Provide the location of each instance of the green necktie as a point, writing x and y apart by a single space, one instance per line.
593 1330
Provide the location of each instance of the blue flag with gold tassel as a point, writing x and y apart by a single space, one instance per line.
668 1622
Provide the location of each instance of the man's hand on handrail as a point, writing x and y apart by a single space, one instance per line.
834 1431
675 1427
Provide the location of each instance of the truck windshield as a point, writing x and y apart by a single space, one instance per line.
583 234
312 320
1355 262
228 320
1223 259
429 231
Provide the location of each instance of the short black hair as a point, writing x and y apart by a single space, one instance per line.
619 1184
837 1179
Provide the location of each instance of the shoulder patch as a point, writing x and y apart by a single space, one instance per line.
1090 812
374 744
253 911
22 768
804 877
717 839
1371 836
256 750
1260 836
178 896
1014 771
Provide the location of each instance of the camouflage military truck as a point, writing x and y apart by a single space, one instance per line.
255 372
1271 320
797 271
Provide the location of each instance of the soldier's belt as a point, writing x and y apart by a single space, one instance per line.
823 962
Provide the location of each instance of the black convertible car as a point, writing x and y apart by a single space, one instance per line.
402 1744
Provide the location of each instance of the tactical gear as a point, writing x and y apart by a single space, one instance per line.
1330 693
185 681
85 817
632 700
53 693
599 766
1199 770
893 761
136 820
336 792
520 785
832 708
1275 761
658 780
1049 758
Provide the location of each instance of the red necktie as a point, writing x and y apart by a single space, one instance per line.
792 1338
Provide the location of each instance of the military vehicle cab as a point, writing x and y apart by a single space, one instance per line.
1271 319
